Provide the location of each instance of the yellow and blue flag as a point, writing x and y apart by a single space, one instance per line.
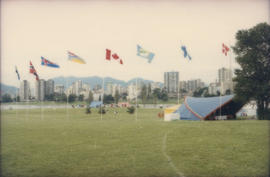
46 62
75 58
143 53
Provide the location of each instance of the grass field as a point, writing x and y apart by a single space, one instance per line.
83 145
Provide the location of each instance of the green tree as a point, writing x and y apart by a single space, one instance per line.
6 98
144 94
108 99
81 97
200 92
156 95
164 95
71 98
116 96
90 97
149 91
253 79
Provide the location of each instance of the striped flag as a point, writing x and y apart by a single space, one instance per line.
33 71
145 54
75 58
18 75
48 63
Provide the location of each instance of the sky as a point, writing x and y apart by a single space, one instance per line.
31 29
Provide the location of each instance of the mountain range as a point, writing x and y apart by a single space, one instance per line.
95 80
92 81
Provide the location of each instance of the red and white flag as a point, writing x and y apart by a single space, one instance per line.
109 55
33 71
225 49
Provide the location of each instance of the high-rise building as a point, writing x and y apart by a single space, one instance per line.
171 83
224 74
49 87
225 80
40 89
25 90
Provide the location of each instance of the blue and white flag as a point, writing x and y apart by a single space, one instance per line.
48 63
186 54
143 53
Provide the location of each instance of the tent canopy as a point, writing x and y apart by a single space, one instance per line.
95 104
202 108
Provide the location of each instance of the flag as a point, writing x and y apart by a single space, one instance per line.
143 53
75 58
46 62
225 49
109 55
186 54
18 75
33 71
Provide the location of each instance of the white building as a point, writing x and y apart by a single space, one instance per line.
40 90
24 90
171 82
133 91
225 80
59 89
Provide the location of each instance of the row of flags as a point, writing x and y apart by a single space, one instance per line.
109 55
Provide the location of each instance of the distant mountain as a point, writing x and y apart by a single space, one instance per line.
8 89
94 80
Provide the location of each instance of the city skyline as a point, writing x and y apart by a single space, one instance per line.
88 28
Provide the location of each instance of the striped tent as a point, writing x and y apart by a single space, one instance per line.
209 108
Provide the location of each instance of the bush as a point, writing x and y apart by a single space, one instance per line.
88 110
131 110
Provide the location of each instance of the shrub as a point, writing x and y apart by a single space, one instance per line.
131 110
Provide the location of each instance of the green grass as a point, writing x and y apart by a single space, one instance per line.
84 145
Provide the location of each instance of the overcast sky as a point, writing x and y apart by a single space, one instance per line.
31 29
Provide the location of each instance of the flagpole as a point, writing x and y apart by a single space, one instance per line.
67 116
102 97
16 100
136 114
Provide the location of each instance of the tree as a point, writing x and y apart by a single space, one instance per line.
90 97
156 94
116 96
71 98
108 99
6 98
60 97
149 91
253 79
144 93
81 97
164 95
200 92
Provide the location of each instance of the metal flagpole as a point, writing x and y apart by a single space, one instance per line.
102 98
136 91
67 115
177 93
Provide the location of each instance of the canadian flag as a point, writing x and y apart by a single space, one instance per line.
225 49
109 55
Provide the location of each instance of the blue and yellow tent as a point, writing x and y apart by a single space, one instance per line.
201 108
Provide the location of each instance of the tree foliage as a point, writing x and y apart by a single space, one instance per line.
71 98
117 96
253 79
6 98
